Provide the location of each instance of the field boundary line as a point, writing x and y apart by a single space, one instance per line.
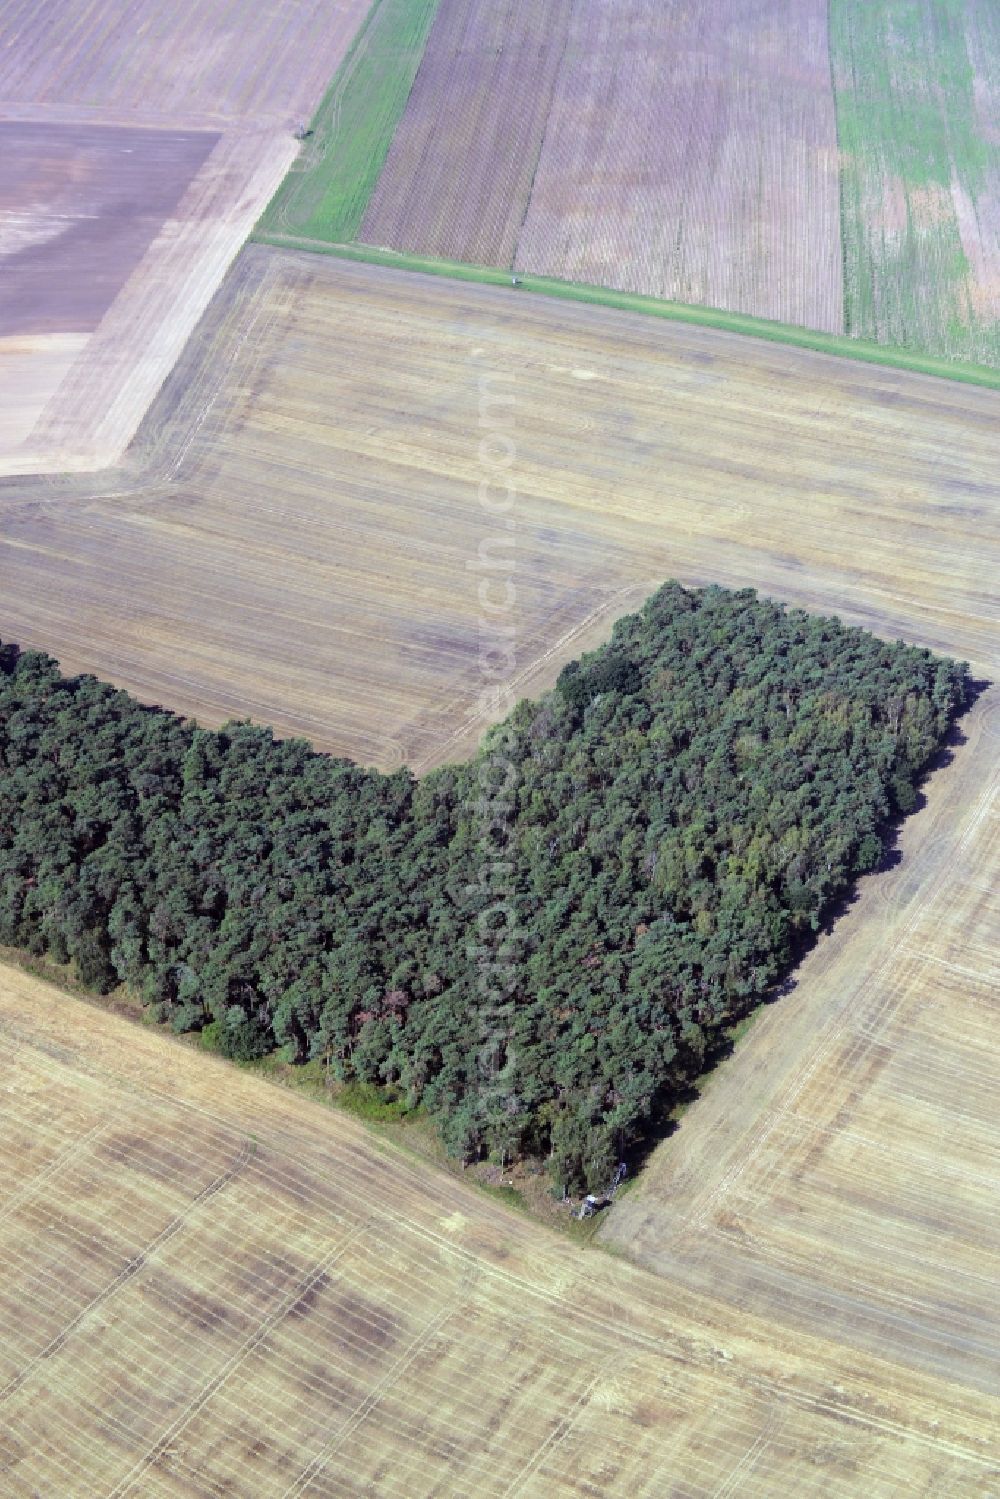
841 229
290 185
155 454
157 473
835 344
536 664
544 135
656 1339
656 1346
305 174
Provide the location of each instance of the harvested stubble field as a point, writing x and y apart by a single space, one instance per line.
688 152
842 1168
212 1286
291 538
139 147
291 535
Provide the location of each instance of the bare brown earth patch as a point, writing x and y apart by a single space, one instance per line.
130 241
78 208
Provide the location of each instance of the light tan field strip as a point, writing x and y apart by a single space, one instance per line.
272 1301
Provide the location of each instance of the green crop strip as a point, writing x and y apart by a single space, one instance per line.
909 142
325 194
913 156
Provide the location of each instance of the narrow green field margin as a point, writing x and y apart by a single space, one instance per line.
916 168
914 86
680 312
325 193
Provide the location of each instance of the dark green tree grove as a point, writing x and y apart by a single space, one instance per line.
539 945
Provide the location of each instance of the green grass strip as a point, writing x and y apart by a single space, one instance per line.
326 192
910 138
680 312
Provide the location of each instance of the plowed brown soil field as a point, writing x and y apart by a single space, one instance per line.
682 151
78 208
